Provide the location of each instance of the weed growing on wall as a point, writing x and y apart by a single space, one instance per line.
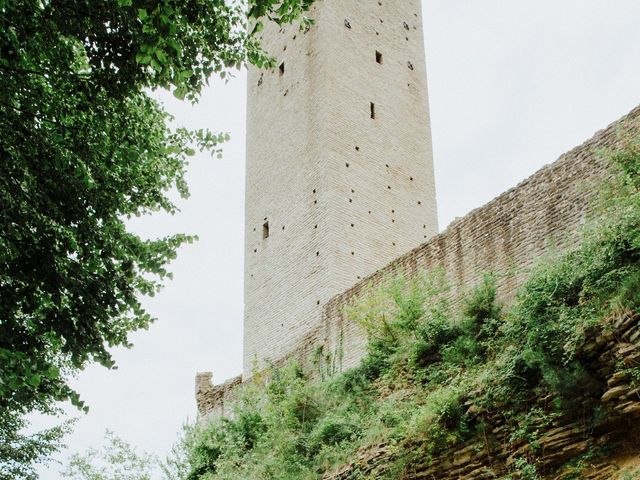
432 376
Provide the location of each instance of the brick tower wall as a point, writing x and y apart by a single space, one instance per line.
339 177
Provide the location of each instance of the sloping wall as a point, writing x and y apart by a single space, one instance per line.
506 237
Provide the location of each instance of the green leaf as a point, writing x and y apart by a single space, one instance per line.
143 58
258 28
34 380
160 55
176 46
180 93
156 66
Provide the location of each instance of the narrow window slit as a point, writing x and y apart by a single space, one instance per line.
265 230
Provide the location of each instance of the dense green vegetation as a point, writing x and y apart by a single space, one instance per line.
425 363
83 147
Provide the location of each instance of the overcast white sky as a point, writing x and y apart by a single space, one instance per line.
513 84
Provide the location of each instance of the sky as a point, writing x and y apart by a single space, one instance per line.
512 85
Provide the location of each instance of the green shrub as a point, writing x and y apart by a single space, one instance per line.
248 426
526 470
330 431
482 316
432 337
441 422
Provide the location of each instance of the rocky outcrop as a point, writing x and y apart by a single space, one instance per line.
610 353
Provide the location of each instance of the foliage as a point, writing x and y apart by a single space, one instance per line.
116 460
177 466
84 147
526 470
565 299
631 474
429 374
20 451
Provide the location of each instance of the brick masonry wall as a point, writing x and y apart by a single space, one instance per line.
507 236
536 219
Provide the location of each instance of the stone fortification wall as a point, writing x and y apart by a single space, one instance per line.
215 400
538 218
507 237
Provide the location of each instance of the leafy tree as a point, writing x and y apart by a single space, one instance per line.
83 147
116 460
19 451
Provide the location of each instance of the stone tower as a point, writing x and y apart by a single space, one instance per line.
339 177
